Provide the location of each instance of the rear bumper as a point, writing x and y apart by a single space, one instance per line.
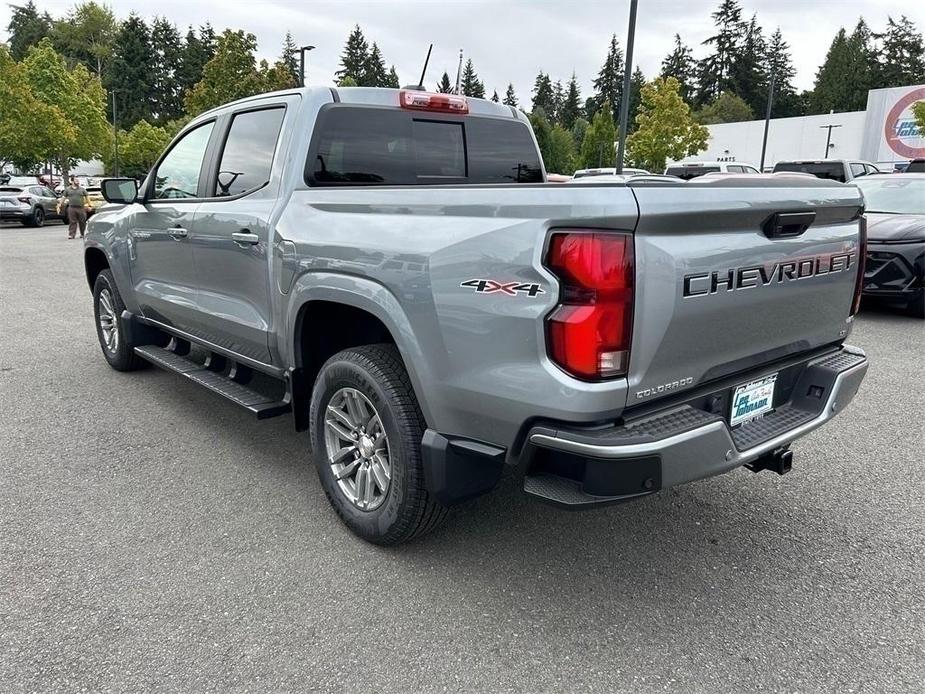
14 213
895 271
577 468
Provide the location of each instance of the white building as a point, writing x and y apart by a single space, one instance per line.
885 133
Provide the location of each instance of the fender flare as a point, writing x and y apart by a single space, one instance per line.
366 295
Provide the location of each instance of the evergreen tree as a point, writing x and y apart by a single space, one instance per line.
391 79
470 84
166 97
680 65
845 76
571 104
197 50
355 58
291 59
129 72
902 60
637 82
26 28
445 87
558 101
747 70
510 98
495 97
715 71
543 96
778 62
374 72
608 85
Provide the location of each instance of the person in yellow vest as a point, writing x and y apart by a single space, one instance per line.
76 201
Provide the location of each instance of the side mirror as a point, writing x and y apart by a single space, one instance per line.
122 191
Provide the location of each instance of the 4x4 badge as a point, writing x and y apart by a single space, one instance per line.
510 288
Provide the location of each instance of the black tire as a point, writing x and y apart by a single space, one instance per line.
38 217
408 510
119 354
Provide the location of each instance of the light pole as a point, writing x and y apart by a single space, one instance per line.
767 119
627 76
115 136
302 51
828 138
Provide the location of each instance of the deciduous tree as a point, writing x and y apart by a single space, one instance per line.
597 147
77 96
139 148
728 108
86 35
230 74
664 127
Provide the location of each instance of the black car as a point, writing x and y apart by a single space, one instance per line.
895 270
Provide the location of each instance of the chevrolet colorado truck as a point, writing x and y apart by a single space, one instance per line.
390 268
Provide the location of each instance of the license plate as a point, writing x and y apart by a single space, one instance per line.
752 400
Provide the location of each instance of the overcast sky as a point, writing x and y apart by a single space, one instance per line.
509 40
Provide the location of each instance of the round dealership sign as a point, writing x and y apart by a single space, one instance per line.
901 133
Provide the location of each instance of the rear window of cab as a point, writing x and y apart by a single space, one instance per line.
364 145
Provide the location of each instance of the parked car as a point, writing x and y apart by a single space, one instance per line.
30 204
915 166
693 169
627 171
95 199
895 269
431 329
842 170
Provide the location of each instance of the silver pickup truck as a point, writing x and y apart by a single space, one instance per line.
391 268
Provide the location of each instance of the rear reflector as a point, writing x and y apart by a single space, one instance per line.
426 101
590 331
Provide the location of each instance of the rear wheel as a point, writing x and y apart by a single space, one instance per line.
107 309
36 219
366 430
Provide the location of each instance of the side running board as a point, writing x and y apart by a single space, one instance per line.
257 403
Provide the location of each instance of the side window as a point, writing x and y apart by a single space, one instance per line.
857 170
871 169
734 168
48 192
750 169
178 174
37 190
248 153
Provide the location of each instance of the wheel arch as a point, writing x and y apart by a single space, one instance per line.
356 311
95 261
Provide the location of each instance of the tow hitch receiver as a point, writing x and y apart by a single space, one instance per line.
779 460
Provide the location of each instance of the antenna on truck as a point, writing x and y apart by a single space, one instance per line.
426 60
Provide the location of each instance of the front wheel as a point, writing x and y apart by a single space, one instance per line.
366 430
107 310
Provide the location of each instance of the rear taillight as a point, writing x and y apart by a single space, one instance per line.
25 200
425 101
591 329
862 257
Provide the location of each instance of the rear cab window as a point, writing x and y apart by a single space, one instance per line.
834 171
688 172
370 145
247 156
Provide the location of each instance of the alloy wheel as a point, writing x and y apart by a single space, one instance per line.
109 326
357 449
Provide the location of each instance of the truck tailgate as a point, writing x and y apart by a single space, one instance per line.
726 281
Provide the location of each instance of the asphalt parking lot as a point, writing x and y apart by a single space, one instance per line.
155 537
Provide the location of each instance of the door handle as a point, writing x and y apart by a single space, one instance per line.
245 238
178 233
